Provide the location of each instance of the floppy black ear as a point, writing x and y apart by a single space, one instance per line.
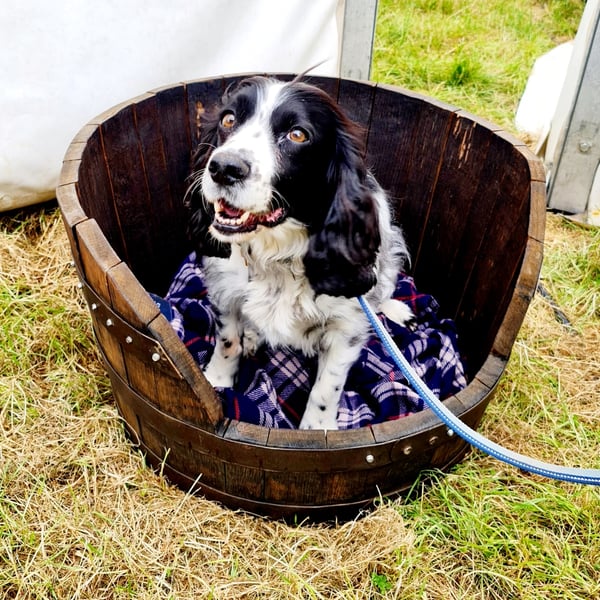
341 256
201 213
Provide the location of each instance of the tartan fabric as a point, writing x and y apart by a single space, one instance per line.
273 386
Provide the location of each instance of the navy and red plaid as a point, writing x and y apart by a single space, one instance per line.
273 386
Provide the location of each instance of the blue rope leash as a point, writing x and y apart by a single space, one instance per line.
573 475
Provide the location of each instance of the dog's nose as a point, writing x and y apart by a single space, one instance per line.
227 168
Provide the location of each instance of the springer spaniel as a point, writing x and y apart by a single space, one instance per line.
292 228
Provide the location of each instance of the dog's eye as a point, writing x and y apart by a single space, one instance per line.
228 120
297 135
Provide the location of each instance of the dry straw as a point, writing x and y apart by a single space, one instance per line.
81 516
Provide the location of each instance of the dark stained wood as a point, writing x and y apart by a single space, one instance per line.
455 193
471 199
164 202
95 191
520 299
289 438
357 101
489 374
199 401
97 257
499 257
202 96
126 409
129 188
244 481
167 437
246 432
109 345
327 84
129 298
406 138
176 138
71 212
352 438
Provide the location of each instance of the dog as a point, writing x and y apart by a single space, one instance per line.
292 227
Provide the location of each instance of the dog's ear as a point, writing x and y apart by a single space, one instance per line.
200 213
342 251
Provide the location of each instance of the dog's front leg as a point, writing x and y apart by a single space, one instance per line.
338 351
223 365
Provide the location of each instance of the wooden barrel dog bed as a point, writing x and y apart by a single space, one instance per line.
472 201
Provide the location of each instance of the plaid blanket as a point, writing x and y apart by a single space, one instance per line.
273 386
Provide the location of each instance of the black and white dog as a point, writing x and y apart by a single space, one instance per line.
293 228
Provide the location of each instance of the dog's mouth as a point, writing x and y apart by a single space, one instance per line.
230 220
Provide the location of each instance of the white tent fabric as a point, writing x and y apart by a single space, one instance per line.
63 63
537 106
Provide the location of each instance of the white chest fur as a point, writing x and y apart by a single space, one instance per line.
279 301
264 283
281 305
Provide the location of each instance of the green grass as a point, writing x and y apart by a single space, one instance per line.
510 537
574 273
475 55
489 531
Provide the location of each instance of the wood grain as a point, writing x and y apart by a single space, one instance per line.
471 200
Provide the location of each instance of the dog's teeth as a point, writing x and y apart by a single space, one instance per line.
231 221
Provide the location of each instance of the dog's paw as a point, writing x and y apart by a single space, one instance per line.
229 346
251 342
217 377
222 367
398 312
319 416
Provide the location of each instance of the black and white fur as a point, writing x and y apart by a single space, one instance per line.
293 228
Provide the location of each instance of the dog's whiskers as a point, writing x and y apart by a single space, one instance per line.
204 145
195 179
279 200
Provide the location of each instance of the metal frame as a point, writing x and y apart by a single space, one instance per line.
357 39
573 150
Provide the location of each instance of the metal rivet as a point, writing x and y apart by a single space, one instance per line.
129 340
94 306
433 439
79 285
585 146
370 458
72 263
109 322
407 450
155 356
450 432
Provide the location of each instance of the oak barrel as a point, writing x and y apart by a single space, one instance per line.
472 201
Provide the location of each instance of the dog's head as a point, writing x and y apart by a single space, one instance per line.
276 151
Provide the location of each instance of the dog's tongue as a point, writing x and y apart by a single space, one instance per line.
229 211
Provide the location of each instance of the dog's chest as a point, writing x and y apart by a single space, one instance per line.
281 305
